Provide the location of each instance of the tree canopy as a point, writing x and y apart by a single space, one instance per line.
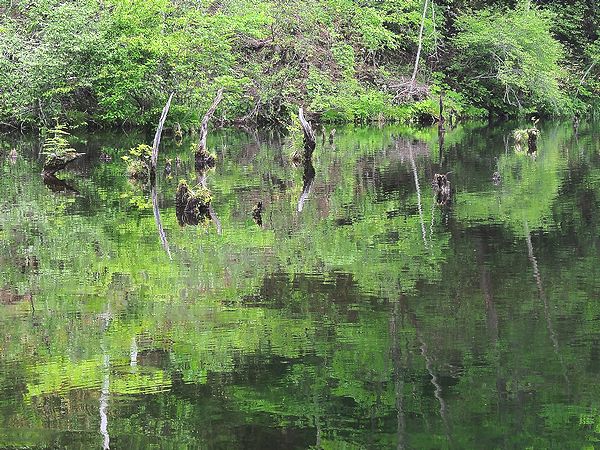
114 62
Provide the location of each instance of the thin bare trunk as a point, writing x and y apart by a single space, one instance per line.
435 42
310 141
206 119
587 73
416 68
158 134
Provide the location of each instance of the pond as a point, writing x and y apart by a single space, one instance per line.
354 309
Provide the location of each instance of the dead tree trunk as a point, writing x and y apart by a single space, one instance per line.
441 118
310 141
204 160
158 134
416 68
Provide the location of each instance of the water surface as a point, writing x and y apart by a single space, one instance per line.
360 314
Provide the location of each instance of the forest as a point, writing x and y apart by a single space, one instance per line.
369 224
113 63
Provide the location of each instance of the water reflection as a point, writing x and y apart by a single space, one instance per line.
375 319
308 176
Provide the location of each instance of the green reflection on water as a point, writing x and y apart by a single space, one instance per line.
373 318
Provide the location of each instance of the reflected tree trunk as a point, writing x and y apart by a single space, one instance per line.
161 232
211 211
105 392
542 294
491 315
396 354
418 187
307 177
433 378
133 353
55 184
486 286
317 420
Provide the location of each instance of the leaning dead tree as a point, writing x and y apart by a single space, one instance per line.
204 159
153 162
158 134
310 141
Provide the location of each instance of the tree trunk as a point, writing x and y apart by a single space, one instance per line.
201 150
310 141
158 134
414 74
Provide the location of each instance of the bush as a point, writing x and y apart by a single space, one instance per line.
509 60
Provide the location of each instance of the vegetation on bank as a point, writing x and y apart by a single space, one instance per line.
114 62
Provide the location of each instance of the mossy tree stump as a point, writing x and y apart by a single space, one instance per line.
192 206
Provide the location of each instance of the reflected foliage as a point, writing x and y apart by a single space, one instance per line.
375 318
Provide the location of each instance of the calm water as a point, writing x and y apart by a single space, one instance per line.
372 318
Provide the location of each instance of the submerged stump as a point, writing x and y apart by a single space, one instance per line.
529 135
55 162
442 188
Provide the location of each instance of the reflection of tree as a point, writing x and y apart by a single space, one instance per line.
105 393
55 184
396 355
308 177
159 226
544 298
418 189
202 180
433 377
313 358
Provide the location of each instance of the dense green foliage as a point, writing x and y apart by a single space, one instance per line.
113 62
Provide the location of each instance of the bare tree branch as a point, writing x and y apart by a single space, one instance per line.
206 119
158 134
